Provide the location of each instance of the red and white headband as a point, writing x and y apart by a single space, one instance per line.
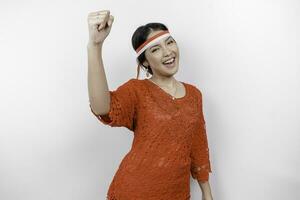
151 42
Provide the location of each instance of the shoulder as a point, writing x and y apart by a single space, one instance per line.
129 84
195 90
132 85
133 82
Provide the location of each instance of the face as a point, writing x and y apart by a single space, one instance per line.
156 55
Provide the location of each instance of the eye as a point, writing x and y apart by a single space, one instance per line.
154 50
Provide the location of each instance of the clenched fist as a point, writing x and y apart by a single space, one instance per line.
99 24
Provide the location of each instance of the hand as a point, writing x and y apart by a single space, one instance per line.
99 24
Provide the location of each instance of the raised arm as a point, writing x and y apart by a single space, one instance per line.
100 24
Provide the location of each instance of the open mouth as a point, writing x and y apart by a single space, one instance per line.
170 62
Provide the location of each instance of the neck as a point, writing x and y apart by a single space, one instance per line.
168 82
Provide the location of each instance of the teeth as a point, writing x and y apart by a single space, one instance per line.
169 61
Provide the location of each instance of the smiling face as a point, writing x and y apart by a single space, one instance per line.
157 56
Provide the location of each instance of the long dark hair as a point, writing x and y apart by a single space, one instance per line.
140 36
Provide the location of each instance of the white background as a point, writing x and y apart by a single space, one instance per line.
243 55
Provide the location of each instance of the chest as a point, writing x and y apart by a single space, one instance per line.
155 110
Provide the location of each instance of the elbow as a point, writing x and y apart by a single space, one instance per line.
99 109
202 182
100 106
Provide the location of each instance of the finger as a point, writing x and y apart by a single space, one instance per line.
106 12
106 18
101 19
104 22
111 20
99 12
97 17
95 21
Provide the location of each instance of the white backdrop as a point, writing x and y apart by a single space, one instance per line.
242 54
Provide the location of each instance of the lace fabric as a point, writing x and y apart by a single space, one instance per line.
122 107
170 141
200 166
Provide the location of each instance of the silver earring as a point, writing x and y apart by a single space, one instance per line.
147 74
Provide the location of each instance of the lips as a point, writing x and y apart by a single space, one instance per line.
167 62
170 65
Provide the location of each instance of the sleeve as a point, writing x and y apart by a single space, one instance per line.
123 103
200 162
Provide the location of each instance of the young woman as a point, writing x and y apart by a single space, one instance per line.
165 115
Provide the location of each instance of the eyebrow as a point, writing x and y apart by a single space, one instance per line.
158 45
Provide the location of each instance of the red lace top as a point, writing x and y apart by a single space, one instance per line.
169 144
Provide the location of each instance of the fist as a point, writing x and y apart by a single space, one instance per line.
99 23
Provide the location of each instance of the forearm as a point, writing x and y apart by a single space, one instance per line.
206 191
97 83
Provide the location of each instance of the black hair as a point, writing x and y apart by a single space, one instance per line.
140 36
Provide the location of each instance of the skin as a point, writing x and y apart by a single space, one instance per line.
97 84
163 76
99 24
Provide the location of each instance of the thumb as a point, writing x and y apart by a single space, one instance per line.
111 20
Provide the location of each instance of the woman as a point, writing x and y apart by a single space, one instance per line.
165 115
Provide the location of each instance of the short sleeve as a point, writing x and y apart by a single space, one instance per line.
123 104
200 162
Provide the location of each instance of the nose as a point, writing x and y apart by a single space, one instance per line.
166 51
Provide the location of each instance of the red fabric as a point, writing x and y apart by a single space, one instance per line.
151 39
169 145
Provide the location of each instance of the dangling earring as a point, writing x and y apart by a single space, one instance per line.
147 74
